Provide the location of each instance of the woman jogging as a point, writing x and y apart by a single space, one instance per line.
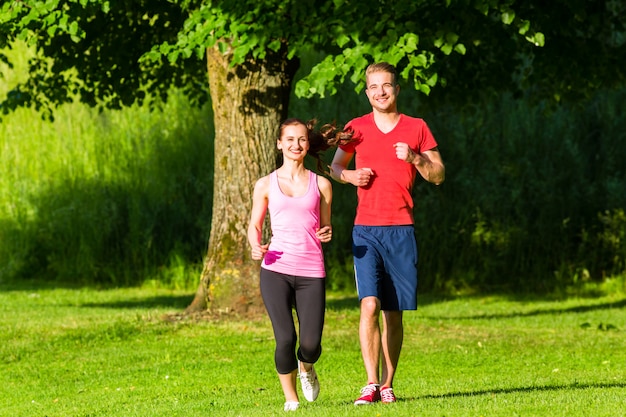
292 268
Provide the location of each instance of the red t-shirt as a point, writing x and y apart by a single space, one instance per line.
387 200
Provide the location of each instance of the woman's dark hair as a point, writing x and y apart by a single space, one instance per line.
320 140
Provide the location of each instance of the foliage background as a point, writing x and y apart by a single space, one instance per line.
534 198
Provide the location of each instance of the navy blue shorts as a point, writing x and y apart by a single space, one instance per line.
385 265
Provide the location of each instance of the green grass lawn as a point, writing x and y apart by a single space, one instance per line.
87 352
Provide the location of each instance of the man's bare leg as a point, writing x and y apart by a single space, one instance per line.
369 336
392 337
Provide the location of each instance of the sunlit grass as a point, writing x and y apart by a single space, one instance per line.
71 352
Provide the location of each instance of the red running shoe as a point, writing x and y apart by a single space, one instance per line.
369 395
387 396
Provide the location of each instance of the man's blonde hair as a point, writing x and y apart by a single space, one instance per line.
381 67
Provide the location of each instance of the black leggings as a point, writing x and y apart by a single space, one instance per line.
308 295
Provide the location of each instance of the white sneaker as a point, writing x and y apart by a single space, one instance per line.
291 405
310 384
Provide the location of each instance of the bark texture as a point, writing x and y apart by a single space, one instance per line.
249 102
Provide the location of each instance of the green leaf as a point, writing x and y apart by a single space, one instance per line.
508 17
63 20
432 81
404 74
274 45
537 39
410 41
73 28
187 52
173 56
419 61
164 48
392 34
342 40
483 8
302 88
151 56
452 38
439 41
240 53
222 46
523 27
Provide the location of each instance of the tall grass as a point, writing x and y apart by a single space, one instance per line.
112 197
534 198
533 201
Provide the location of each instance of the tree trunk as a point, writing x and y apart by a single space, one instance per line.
249 102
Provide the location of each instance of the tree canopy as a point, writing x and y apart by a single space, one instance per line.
111 52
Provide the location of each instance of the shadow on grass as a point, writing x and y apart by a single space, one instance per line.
537 312
178 302
573 386
343 302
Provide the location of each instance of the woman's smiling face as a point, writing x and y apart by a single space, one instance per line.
294 141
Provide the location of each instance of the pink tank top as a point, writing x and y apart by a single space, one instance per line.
294 249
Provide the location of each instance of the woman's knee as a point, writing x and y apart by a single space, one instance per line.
309 353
